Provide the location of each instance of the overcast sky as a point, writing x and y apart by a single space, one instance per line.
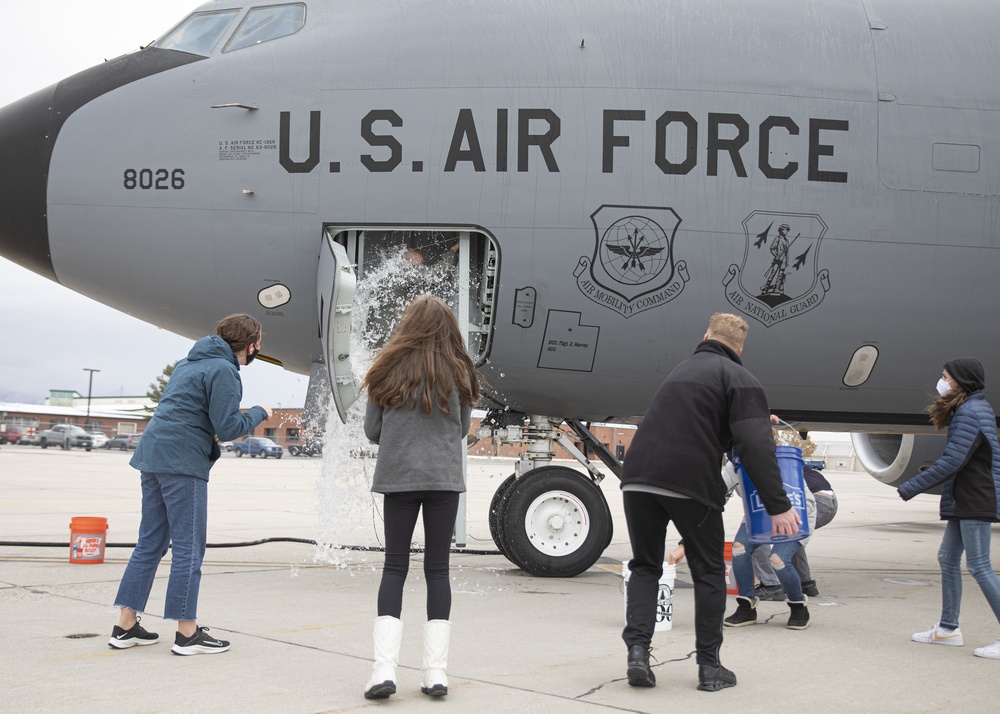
50 334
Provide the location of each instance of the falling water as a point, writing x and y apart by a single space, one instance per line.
349 514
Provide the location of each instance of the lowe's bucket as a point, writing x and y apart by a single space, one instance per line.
664 596
87 538
758 521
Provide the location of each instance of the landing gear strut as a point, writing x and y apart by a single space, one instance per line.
550 521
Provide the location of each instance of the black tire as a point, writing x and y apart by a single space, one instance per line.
294 450
88 448
277 456
239 452
496 512
568 498
44 444
263 454
124 447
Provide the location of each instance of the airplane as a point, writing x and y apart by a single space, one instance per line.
598 177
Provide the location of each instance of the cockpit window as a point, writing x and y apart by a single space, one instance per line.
267 23
198 33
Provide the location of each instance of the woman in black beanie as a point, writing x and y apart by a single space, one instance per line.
969 470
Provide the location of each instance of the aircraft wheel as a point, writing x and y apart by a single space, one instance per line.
556 522
496 513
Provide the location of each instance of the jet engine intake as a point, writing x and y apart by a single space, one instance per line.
895 458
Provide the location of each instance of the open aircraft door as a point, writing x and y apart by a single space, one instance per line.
335 284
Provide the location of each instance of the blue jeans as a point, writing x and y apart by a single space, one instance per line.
175 514
973 537
743 566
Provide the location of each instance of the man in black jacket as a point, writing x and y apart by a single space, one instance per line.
709 404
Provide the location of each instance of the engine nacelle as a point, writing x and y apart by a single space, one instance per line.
895 458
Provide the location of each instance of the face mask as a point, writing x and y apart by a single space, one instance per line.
943 387
251 357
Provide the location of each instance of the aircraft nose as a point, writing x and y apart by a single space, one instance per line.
25 149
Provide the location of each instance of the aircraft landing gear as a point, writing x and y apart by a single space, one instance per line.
550 521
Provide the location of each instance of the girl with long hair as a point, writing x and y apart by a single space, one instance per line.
969 471
421 389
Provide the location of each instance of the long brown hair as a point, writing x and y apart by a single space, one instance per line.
424 360
943 409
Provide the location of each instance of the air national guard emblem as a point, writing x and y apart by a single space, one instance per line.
633 265
779 277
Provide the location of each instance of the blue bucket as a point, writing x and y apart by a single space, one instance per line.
758 521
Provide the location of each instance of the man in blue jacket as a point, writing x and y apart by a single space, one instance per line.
200 405
709 404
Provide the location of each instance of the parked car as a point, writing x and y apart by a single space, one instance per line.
123 442
66 436
312 447
28 440
226 445
13 434
255 445
100 439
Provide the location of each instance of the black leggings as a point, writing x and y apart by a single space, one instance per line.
400 514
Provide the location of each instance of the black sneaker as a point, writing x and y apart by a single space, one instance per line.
809 588
712 679
746 613
773 593
199 643
135 635
639 672
799 618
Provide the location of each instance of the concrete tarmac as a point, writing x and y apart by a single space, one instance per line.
301 627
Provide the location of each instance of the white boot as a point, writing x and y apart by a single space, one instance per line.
437 634
388 638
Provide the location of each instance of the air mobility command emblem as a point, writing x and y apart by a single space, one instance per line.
633 266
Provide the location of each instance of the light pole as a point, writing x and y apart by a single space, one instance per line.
90 386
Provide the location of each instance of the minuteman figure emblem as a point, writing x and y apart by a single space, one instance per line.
780 276
633 267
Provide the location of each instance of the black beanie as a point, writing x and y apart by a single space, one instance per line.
968 372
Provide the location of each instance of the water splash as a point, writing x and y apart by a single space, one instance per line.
349 514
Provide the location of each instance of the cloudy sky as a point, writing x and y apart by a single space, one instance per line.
50 334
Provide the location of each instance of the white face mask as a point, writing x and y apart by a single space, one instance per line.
943 387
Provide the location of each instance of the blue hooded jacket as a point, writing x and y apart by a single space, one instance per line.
969 468
201 400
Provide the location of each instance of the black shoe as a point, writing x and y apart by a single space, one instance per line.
799 619
773 593
135 635
712 679
746 613
809 588
199 643
639 673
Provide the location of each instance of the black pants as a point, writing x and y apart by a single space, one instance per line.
400 514
703 532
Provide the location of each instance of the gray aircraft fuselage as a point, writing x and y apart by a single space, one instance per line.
829 169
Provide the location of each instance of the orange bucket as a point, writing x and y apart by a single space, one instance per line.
88 536
727 555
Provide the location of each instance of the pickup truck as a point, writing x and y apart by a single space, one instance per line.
257 445
65 435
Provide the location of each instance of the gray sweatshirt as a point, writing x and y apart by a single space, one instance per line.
418 451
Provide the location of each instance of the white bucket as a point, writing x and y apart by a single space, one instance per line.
664 596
